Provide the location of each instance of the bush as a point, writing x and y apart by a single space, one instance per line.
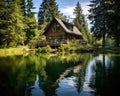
61 48
66 48
80 47
45 49
39 49
98 43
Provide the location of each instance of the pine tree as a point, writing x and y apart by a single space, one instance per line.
113 18
18 19
117 19
48 9
31 24
23 7
80 22
3 23
41 13
99 20
53 10
104 15
11 25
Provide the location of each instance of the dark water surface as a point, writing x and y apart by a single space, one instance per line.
60 75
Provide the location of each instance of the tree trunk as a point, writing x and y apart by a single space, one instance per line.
103 41
103 34
117 41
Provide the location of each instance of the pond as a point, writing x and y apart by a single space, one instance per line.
60 75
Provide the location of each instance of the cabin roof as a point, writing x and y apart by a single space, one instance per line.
65 26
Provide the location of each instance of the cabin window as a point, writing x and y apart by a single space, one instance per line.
57 28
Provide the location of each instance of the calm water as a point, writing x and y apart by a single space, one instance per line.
60 75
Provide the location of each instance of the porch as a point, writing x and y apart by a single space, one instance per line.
51 43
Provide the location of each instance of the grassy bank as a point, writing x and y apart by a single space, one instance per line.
13 51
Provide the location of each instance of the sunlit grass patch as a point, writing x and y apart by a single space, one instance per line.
13 51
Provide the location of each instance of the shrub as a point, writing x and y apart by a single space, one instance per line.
45 49
61 48
80 47
39 49
65 48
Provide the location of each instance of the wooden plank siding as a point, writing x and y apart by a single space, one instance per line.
54 36
59 32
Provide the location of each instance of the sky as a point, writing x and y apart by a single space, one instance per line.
67 6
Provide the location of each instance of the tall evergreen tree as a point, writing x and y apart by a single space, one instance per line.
53 10
23 7
48 9
80 22
104 15
113 18
30 20
117 19
99 20
3 22
11 23
18 25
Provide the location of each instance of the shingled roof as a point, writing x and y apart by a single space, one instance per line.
68 27
65 24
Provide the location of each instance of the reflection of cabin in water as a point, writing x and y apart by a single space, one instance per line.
61 32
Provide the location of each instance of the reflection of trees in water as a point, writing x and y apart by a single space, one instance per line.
17 71
12 76
107 76
81 74
55 66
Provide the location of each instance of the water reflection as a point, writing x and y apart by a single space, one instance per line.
67 87
36 91
60 75
12 78
105 75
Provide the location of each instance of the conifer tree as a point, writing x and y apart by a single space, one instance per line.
98 18
3 23
31 24
104 15
48 9
19 22
23 7
80 22
13 34
114 24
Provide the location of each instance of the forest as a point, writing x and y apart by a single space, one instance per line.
20 27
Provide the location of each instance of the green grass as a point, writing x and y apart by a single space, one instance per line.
13 51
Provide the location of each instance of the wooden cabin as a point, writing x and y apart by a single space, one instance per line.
61 32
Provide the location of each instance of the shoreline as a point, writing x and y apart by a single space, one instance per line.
24 50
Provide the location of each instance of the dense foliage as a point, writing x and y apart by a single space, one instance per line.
31 28
81 23
11 23
47 11
18 25
104 17
17 22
